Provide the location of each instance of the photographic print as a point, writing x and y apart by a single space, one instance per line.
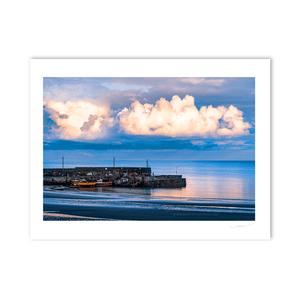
172 148
149 148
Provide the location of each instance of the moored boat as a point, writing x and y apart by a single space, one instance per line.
100 183
58 188
74 184
86 184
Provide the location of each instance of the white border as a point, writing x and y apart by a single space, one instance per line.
152 230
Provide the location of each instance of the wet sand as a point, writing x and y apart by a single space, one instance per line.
53 216
124 213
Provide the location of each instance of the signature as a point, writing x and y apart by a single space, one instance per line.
236 226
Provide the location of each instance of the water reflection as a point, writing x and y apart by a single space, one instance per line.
216 179
87 188
197 187
205 180
211 187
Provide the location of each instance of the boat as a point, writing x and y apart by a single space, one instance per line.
58 188
103 184
86 184
74 184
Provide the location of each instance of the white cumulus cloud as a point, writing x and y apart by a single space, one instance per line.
78 119
180 117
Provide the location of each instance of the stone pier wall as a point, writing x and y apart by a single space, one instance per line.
120 176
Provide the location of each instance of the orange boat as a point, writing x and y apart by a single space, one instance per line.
86 184
83 183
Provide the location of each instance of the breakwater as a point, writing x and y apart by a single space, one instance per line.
119 176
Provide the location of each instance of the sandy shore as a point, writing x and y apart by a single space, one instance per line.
53 216
85 213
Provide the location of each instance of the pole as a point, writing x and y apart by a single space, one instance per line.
147 160
63 163
114 162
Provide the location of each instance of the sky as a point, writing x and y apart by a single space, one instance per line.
149 118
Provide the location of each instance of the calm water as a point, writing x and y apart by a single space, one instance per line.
227 186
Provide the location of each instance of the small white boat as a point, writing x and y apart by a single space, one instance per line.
59 188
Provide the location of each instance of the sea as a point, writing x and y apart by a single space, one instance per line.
214 188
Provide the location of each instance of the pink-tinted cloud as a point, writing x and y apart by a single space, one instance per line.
180 117
81 119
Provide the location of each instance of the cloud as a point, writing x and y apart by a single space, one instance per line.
147 82
229 142
192 80
180 117
73 89
64 116
93 90
80 119
133 145
221 91
91 122
198 142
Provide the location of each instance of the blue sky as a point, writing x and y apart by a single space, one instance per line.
139 118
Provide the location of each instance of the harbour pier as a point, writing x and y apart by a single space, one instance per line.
119 176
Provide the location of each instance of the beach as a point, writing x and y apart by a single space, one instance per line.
85 213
